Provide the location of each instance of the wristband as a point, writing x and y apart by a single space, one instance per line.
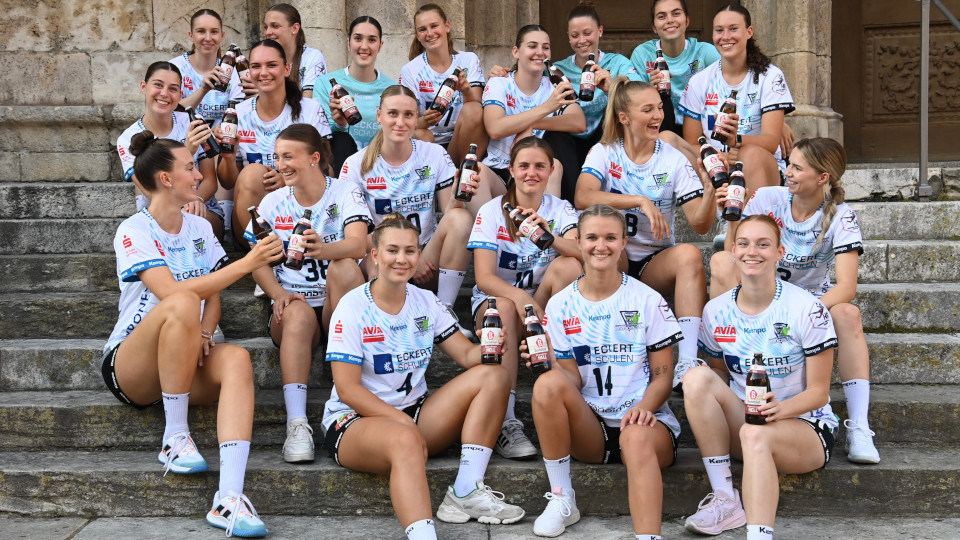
206 335
739 140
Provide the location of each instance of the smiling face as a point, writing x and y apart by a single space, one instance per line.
432 31
669 20
183 179
397 255
531 169
601 240
757 249
162 91
294 161
364 44
398 116
584 36
643 118
278 28
802 178
267 69
206 34
533 50
730 34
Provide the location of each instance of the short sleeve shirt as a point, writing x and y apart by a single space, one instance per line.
418 76
616 64
214 103
504 93
257 138
312 65
181 125
696 55
366 97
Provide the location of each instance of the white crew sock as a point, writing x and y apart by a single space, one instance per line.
448 285
175 411
511 403
227 207
421 530
558 473
295 398
473 464
759 532
857 392
649 537
690 328
233 465
718 470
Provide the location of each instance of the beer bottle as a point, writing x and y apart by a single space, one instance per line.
716 170
537 234
729 107
445 93
243 65
757 385
587 84
661 63
736 194
557 77
228 129
295 247
490 328
347 105
227 63
210 147
469 165
261 229
536 342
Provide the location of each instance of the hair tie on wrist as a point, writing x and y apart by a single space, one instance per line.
206 335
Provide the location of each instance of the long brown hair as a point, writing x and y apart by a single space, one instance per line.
308 135
511 195
201 13
292 89
416 48
756 60
826 156
292 16
373 150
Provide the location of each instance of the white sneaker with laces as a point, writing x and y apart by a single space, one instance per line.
512 443
684 364
179 455
717 513
258 292
560 513
860 447
299 444
218 336
482 504
236 514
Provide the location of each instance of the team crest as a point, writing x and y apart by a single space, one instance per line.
333 212
752 97
423 173
422 324
694 66
199 245
781 332
661 179
631 320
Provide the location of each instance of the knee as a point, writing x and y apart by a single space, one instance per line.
459 219
847 316
299 321
508 313
690 258
753 440
565 267
697 383
549 388
636 444
250 180
238 367
343 272
493 378
184 306
407 447
722 266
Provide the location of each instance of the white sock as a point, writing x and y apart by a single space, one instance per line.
227 207
511 403
421 530
718 470
857 392
175 411
448 285
649 537
473 464
295 398
690 328
233 465
759 532
558 473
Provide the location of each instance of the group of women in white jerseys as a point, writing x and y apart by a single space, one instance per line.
603 176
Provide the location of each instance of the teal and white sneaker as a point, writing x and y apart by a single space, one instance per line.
236 514
179 455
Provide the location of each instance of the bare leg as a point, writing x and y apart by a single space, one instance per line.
678 271
566 425
645 450
227 376
511 322
448 246
555 180
714 412
470 407
723 273
468 130
853 357
759 167
298 333
248 192
561 272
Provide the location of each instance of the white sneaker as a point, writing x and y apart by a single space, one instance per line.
299 444
482 504
560 513
717 513
860 448
512 443
236 514
218 336
258 292
179 455
684 364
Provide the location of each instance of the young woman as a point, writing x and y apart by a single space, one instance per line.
282 24
398 173
161 89
513 269
260 120
363 81
818 230
753 134
432 60
795 334
304 299
379 418
634 171
171 271
526 103
600 407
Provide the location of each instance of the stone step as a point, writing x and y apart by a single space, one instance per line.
58 236
118 483
67 201
901 415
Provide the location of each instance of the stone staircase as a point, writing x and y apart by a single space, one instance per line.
69 448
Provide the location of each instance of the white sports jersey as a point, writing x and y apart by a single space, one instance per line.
256 139
341 204
609 340
503 92
667 179
393 350
801 264
409 188
417 75
707 90
520 263
141 244
312 65
795 326
181 125
214 103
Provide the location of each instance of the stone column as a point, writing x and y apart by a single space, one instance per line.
795 34
325 27
396 18
491 28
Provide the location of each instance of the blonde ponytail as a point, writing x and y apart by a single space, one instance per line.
372 152
826 156
619 102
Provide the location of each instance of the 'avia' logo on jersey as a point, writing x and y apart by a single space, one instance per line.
661 178
247 136
426 86
283 223
159 248
377 182
423 172
571 326
725 334
511 101
775 218
503 234
372 334
616 170
338 328
713 98
651 66
188 84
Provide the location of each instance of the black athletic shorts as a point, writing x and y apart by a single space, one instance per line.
635 268
825 433
318 311
611 442
332 439
504 175
108 370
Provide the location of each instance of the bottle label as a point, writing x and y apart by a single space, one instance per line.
244 74
464 178
227 71
529 229
754 399
587 79
445 95
735 195
490 341
721 119
664 83
228 131
295 245
346 102
713 164
537 347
